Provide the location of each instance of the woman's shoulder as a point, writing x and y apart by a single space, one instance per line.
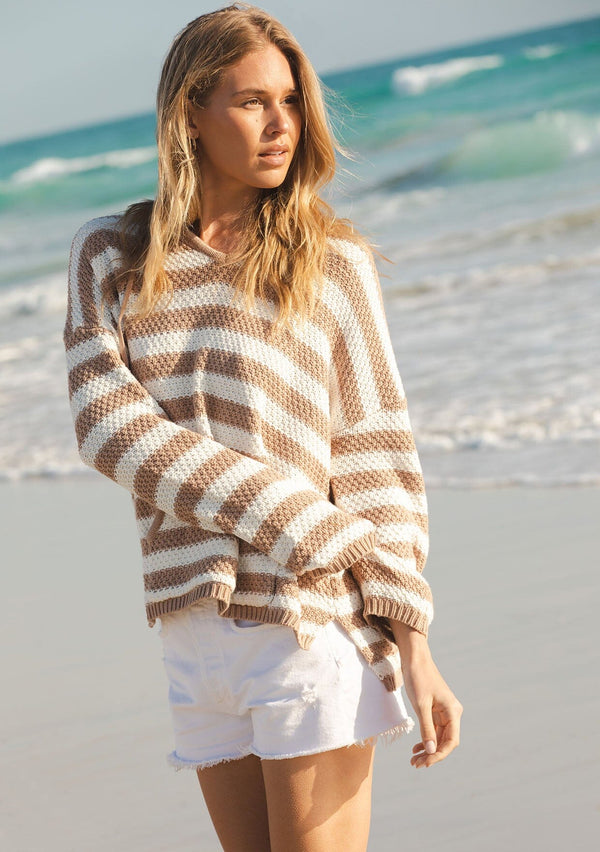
354 251
350 267
98 234
97 249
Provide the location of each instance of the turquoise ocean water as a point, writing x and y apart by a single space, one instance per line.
476 171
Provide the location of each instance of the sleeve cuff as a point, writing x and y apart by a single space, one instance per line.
390 594
404 612
356 550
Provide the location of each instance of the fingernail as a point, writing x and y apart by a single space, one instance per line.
430 747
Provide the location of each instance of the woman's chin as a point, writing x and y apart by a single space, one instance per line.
271 179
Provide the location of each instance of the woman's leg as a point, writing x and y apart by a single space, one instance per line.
234 793
320 802
317 803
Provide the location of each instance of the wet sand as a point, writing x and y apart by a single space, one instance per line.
84 717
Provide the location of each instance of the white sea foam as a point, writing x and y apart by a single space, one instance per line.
46 296
496 275
523 232
542 51
49 168
51 470
416 79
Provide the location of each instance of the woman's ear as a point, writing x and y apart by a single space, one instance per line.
194 119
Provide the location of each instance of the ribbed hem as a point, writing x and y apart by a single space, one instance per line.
264 614
398 612
351 554
220 591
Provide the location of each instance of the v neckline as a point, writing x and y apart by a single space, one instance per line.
197 242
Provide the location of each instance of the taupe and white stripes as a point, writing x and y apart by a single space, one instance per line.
275 471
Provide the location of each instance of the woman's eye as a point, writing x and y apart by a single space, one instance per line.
291 99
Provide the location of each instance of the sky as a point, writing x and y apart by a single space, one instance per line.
76 62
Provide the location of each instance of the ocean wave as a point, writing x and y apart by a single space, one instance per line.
542 51
520 480
542 142
522 147
76 471
497 275
467 242
52 168
51 470
505 431
44 297
416 79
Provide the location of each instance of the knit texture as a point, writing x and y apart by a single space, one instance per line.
272 470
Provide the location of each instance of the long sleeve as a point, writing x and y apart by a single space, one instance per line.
375 470
123 433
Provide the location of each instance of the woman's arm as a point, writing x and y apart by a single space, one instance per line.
376 473
375 468
438 710
124 434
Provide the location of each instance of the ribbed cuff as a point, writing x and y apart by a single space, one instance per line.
346 558
403 612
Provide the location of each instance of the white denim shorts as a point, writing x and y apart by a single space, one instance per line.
242 687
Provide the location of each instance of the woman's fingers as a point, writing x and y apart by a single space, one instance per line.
437 708
428 732
447 737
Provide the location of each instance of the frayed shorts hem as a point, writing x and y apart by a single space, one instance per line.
178 763
389 736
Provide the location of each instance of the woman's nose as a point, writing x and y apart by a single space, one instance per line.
278 121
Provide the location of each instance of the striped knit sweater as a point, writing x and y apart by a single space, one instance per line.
273 471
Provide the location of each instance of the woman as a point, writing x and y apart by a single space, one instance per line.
229 364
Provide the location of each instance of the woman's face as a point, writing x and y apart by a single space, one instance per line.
249 130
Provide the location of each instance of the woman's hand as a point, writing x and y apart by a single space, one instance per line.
437 708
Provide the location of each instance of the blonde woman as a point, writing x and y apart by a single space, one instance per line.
230 366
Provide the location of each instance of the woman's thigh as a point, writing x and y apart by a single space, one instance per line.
320 802
234 793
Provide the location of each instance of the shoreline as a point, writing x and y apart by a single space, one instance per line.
88 475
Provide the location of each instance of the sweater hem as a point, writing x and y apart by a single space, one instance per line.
221 594
264 614
220 591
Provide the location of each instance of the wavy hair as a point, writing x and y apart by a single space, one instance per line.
283 238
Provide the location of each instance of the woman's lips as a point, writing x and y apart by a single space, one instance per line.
275 157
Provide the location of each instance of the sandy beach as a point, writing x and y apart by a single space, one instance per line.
84 718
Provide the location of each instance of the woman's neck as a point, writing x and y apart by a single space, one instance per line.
220 234
221 217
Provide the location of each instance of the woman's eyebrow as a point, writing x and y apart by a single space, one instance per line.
290 91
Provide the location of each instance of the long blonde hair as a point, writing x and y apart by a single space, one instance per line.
284 238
